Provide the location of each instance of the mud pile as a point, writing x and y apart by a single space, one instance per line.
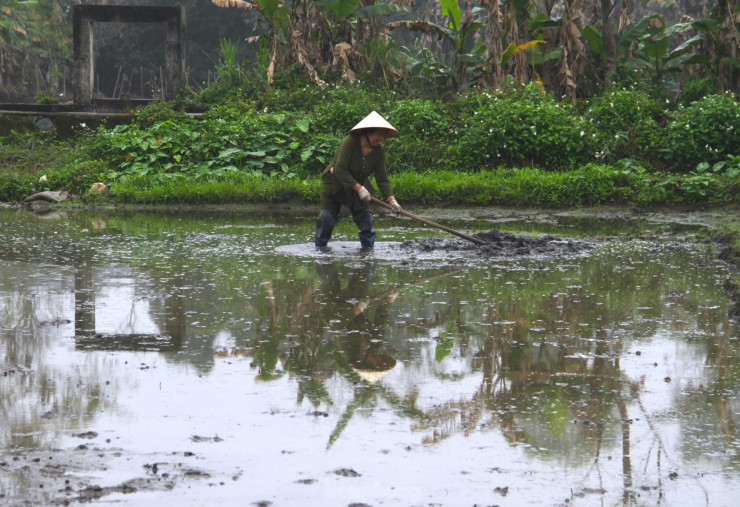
502 244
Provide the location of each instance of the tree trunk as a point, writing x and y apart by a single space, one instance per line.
608 8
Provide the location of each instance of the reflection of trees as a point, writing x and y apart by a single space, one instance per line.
548 346
338 324
542 340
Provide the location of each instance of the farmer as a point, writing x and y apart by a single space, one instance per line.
345 181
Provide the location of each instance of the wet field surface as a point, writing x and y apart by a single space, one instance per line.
217 357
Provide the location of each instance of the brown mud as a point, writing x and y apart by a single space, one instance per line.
66 477
503 245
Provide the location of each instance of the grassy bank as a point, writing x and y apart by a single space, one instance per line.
591 185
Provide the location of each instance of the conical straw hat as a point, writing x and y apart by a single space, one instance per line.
375 121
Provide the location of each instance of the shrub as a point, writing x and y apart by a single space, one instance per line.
412 154
418 118
625 124
341 108
532 132
706 131
696 88
155 112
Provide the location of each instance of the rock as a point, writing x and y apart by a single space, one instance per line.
49 196
98 188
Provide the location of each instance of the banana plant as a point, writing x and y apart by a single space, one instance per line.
644 44
275 13
314 33
714 45
469 58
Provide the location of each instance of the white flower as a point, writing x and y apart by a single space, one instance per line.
582 133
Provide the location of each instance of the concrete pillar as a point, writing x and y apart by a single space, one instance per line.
174 54
82 69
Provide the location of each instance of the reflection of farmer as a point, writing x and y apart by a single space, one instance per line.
346 180
361 336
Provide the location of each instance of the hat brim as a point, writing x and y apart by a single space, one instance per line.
375 121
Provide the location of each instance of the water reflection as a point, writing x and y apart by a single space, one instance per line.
621 364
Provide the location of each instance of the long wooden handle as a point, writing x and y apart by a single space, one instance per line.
428 222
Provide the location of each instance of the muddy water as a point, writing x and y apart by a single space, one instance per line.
217 357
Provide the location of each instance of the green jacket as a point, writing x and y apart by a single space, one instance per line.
351 167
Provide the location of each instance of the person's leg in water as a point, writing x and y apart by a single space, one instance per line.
325 225
365 221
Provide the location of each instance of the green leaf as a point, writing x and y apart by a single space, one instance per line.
303 125
535 23
683 48
656 49
452 10
632 33
341 8
227 153
719 166
269 8
306 153
595 39
443 348
706 24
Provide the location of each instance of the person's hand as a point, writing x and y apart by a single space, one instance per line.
364 194
396 206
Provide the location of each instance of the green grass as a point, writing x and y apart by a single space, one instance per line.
233 189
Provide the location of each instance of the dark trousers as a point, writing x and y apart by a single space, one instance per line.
328 218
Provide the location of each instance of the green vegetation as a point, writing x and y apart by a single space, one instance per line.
513 147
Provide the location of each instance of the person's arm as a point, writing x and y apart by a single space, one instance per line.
383 182
343 163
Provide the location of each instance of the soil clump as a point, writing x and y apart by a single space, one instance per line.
503 244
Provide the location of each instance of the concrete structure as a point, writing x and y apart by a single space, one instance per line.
84 19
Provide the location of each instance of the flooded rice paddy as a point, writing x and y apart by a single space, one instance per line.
218 358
